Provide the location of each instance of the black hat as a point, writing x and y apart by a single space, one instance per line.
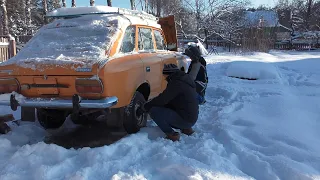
193 52
170 68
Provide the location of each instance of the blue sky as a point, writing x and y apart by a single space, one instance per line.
126 3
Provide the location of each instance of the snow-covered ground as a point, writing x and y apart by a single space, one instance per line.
249 129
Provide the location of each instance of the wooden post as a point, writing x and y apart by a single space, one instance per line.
229 42
12 47
206 40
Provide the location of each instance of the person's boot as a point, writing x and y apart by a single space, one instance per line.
175 136
188 132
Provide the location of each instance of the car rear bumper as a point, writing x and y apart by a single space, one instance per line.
61 103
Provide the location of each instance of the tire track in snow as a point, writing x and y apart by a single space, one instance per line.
225 100
227 96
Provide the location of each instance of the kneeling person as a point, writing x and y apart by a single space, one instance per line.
177 106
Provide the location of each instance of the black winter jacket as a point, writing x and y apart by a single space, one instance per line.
201 78
180 96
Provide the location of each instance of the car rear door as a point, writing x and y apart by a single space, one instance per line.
152 62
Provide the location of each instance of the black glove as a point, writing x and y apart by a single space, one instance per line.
141 110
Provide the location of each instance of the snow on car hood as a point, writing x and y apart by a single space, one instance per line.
84 39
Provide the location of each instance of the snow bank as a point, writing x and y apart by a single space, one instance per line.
252 70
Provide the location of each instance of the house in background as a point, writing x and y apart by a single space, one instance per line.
259 30
270 22
284 31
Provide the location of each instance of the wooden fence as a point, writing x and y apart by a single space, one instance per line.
296 46
254 44
7 48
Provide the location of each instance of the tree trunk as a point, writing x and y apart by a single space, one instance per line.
109 3
45 10
198 15
133 4
91 2
28 17
146 6
308 14
64 3
5 29
73 3
158 8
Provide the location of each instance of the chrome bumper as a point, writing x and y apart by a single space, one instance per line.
62 103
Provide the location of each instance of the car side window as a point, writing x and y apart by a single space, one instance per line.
145 39
128 42
159 40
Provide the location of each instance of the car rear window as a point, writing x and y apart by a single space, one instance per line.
82 37
159 40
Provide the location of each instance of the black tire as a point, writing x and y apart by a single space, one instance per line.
51 118
131 122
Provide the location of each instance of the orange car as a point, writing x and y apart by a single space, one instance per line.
92 62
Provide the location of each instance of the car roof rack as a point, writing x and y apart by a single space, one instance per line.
81 11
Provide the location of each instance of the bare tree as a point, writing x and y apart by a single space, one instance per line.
91 2
28 16
109 2
146 5
133 4
308 15
45 10
64 3
73 3
5 17
158 8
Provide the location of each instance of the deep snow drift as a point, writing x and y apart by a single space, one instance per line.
262 129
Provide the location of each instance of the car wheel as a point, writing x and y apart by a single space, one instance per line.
51 118
132 122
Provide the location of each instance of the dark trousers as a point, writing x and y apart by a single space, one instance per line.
167 119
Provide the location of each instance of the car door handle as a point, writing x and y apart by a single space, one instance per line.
148 68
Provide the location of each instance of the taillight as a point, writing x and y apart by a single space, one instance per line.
84 86
9 85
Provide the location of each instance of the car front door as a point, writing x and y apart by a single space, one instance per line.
168 57
152 62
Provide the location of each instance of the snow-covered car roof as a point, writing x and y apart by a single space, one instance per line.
83 33
134 16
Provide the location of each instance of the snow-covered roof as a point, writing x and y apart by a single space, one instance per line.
270 18
134 16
